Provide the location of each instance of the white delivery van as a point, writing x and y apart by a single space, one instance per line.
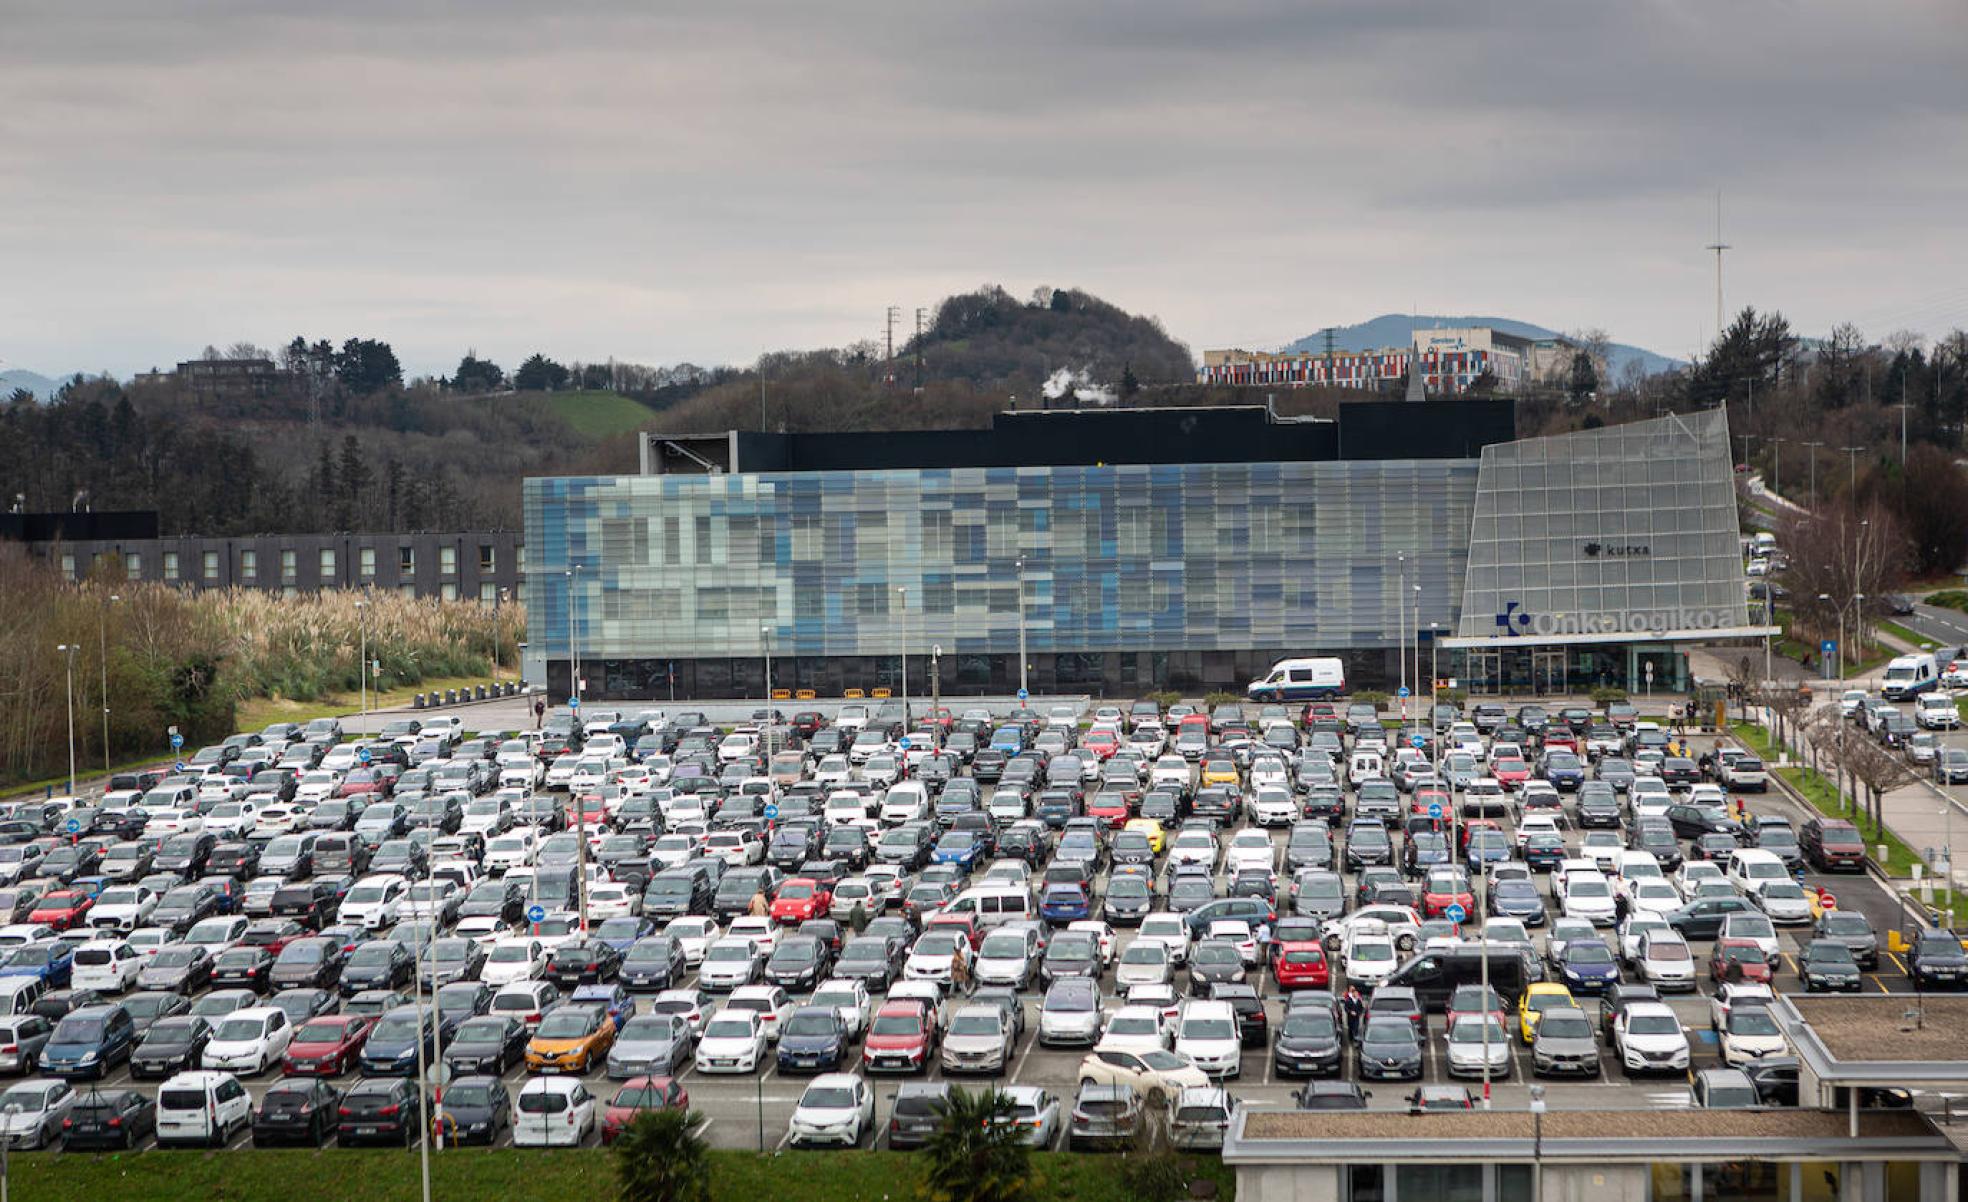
1299 680
1909 676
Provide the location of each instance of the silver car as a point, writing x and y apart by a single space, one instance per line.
1566 1043
1071 1013
651 1044
978 1040
31 1112
1036 1112
1467 1047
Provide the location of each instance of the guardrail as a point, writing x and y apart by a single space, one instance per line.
494 691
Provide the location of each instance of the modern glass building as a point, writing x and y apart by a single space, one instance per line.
1111 552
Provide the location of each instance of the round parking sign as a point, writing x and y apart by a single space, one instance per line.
363 755
1023 695
1455 913
771 813
536 913
177 740
1434 809
72 826
1417 741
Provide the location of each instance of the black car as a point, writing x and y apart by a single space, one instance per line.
874 960
1702 919
1775 1079
147 1007
476 1110
583 962
171 1045
1937 961
798 962
1597 807
296 1110
310 903
1389 1050
1310 1043
486 1044
655 962
1827 964
1691 821
813 1040
494 899
1330 1095
1253 1025
109 1120
242 967
378 1110
312 963
1367 843
379 964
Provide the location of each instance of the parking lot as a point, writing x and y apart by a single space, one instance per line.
753 1110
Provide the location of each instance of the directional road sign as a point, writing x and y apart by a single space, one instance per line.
1417 741
177 740
178 767
1403 691
1455 913
73 826
573 703
362 755
536 913
1023 695
771 813
1434 809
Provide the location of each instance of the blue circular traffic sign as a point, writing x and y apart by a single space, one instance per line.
1023 695
73 826
1434 809
178 767
573 703
1455 913
771 812
1417 741
905 742
1403 692
363 755
177 740
536 913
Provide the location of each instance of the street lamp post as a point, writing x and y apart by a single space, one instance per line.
935 680
102 639
765 640
573 649
1840 646
1021 624
69 649
1537 1143
362 668
902 595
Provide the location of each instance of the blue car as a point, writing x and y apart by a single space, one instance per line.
51 962
962 848
813 1040
1008 739
1065 903
621 933
620 1002
1588 966
89 1041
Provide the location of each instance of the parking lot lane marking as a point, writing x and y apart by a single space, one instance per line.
1874 978
1031 1041
1897 962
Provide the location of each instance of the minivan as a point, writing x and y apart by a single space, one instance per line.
994 905
1435 974
202 1109
88 1041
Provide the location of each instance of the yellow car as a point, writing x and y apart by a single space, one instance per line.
1542 996
571 1039
1220 772
1151 827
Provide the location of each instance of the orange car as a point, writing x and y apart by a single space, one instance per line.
571 1039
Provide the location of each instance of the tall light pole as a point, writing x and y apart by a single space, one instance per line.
935 680
362 620
1826 598
1814 472
1854 453
1021 625
902 597
1537 1143
1401 627
765 641
102 639
573 651
1777 456
69 649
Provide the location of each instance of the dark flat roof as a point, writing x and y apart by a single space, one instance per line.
1364 430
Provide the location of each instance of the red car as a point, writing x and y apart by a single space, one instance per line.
1301 965
1444 888
593 810
1510 773
1471 1000
1472 824
942 719
801 898
639 1094
1110 807
1102 743
61 909
326 1046
363 782
1738 959
967 923
900 1038
274 934
1559 738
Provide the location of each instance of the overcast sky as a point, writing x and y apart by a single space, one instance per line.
662 181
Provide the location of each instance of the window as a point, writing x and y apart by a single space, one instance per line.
210 565
448 590
447 561
406 590
488 558
488 593
170 565
249 566
327 565
133 565
406 561
366 563
68 566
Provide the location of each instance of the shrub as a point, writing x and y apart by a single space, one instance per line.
1165 698
1155 1173
1950 598
1218 697
1371 697
1607 695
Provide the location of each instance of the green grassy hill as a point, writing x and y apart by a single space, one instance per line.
598 413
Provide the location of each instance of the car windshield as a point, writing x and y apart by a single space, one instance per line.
1209 1028
567 1023
1588 952
236 1030
1653 1024
975 1024
1829 953
810 1020
1565 1026
732 1027
827 1097
1751 1020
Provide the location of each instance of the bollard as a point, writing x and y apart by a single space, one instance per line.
450 696
478 692
417 702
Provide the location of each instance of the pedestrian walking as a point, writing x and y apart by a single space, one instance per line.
539 712
759 908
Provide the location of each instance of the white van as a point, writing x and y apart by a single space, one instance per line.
18 994
1365 765
1909 676
1751 868
994 905
202 1109
1299 680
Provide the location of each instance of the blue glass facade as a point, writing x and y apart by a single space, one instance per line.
1239 562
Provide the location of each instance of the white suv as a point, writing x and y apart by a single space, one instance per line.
1207 1034
1649 1039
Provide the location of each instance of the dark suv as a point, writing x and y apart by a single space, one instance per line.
1831 843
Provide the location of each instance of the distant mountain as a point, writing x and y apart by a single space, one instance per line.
41 386
1397 329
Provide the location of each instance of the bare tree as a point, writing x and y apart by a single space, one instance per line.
1842 562
1787 706
1878 769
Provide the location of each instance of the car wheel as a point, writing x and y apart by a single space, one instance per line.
1156 1097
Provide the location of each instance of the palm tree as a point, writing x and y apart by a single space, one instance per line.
978 1154
659 1157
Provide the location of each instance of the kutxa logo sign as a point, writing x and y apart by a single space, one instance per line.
1617 550
1514 621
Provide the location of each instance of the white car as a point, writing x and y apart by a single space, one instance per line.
1466 1047
906 802
314 787
1145 962
105 965
1368 956
1634 929
731 962
733 1042
1749 1034
833 772
147 941
1134 1028
514 958
1653 897
1102 933
122 908
1693 873
1170 931
482 929
836 1108
849 998
1237 933
1273 806
1250 849
609 900
694 933
1206 1034
1588 896
759 930
1649 1039
1754 927
770 1002
1665 961
553 1112
248 1041
514 849
32 1112
374 902
1156 1076
1193 847
1730 995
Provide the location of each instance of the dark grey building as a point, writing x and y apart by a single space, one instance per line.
472 565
